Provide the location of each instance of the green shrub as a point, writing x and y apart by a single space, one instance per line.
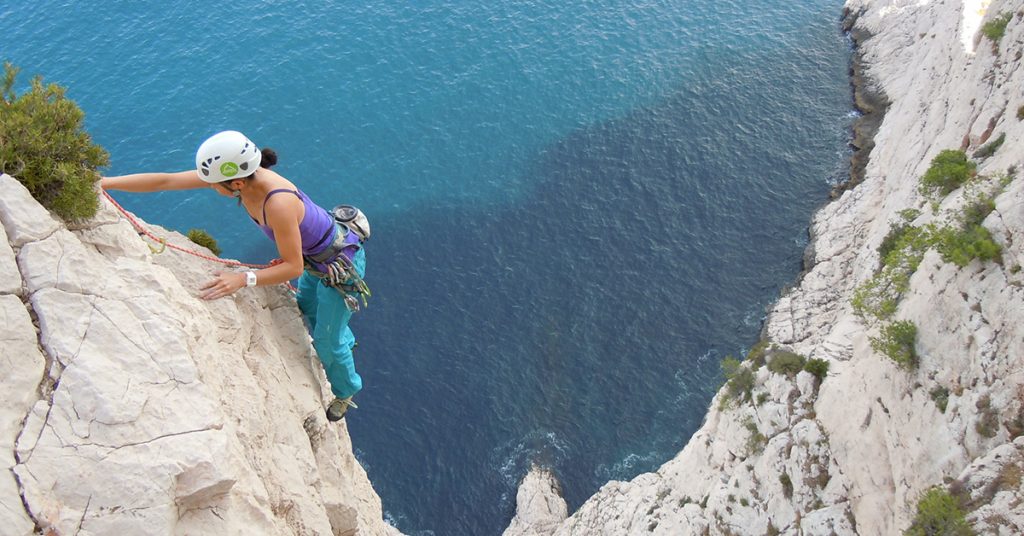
940 395
756 440
995 29
897 342
987 424
938 512
756 353
204 239
787 485
961 246
948 170
817 367
990 148
739 382
1020 113
787 363
42 145
976 210
894 239
879 296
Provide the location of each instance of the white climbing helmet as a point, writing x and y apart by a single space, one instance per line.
227 155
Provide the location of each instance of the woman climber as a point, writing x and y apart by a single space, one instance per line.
329 257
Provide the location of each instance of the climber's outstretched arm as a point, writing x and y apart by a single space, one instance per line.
154 182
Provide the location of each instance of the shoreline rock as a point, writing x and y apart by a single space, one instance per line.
853 453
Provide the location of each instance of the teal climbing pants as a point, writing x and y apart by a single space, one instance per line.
327 317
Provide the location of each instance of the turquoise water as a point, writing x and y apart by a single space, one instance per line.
579 207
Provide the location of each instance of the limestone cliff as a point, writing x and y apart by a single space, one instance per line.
853 453
130 406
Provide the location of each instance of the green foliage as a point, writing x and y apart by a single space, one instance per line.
988 418
1020 113
938 513
204 239
897 342
990 148
947 172
756 353
995 29
894 239
976 210
739 382
787 363
42 145
961 246
787 485
878 296
940 395
756 440
817 367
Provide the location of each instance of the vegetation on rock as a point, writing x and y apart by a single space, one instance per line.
938 512
42 144
204 239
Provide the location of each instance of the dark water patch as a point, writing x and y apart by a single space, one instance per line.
582 325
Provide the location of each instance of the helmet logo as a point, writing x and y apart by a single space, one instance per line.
229 169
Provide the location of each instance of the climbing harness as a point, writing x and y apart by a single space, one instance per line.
333 266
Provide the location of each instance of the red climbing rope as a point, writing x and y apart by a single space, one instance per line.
143 231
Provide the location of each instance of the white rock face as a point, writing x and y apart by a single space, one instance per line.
540 507
853 455
138 408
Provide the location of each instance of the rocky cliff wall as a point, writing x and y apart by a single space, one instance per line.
851 454
130 406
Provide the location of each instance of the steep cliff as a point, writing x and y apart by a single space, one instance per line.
853 452
130 406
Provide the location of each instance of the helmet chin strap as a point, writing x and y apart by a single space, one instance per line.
236 193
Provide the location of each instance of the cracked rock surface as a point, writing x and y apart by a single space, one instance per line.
137 408
853 453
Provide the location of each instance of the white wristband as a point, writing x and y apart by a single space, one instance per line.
250 279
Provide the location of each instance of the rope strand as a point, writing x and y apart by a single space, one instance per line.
164 244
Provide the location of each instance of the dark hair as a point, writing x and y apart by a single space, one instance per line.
269 158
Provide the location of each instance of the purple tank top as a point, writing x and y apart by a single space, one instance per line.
317 227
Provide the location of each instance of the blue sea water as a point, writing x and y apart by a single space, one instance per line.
578 207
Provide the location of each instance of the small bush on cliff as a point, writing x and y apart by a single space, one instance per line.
961 246
42 144
995 29
938 512
896 238
204 239
817 367
739 382
756 354
940 395
787 363
879 296
897 341
756 440
990 148
949 169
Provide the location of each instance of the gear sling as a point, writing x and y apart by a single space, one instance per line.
334 266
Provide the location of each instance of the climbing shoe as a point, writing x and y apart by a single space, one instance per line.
336 411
